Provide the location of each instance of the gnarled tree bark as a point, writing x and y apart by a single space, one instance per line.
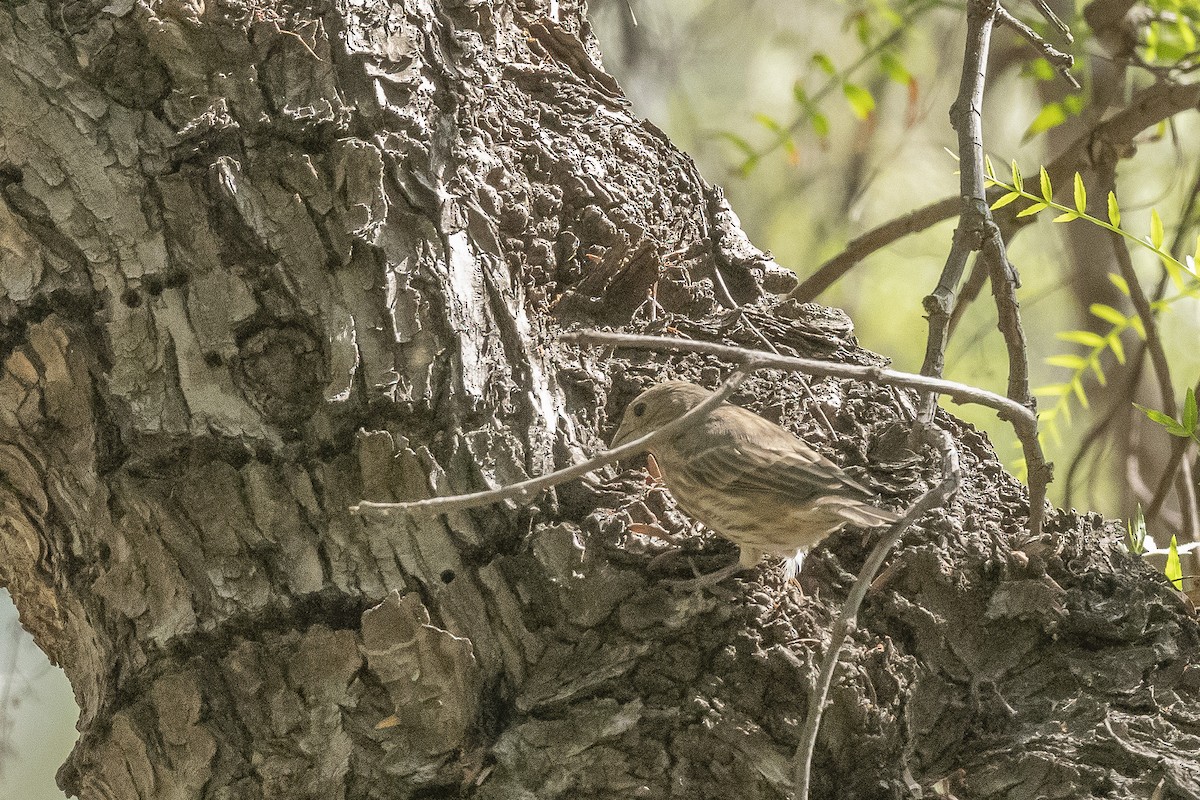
261 261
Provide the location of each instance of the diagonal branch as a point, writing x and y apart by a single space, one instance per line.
1023 420
524 490
875 239
1058 59
938 495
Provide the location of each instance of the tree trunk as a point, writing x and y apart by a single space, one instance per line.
263 261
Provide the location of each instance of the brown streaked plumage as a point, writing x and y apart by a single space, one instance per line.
746 478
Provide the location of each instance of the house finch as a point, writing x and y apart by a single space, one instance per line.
746 478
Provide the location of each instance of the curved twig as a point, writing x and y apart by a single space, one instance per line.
875 239
526 489
938 495
1023 420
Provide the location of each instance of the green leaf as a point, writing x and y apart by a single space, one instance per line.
1189 411
799 94
1067 360
1051 116
1080 395
1186 34
819 122
1066 216
1174 569
1098 371
1033 209
1108 314
1052 390
862 29
1114 212
1118 349
1175 271
770 124
1055 433
1136 322
1085 338
1080 195
894 68
1016 176
1156 229
1047 189
1041 69
988 169
822 61
740 143
1119 282
1005 200
861 101
748 166
1170 424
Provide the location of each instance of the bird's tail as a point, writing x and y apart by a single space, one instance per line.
856 512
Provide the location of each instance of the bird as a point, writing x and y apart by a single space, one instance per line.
746 478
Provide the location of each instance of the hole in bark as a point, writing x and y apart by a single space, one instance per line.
131 298
213 359
447 575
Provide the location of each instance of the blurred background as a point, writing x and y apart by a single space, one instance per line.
37 714
822 120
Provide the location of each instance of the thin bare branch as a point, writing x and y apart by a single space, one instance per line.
875 239
968 292
1179 470
974 213
525 490
1023 420
817 700
1044 9
977 231
1061 61
1146 108
1008 316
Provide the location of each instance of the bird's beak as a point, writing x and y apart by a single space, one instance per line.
619 437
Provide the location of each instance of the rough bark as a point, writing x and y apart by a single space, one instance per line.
263 261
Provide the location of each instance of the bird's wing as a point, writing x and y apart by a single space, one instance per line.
795 472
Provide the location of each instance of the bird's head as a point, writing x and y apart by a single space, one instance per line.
657 406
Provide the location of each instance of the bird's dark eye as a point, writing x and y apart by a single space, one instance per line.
639 409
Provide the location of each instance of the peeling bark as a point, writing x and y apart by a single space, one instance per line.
261 262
